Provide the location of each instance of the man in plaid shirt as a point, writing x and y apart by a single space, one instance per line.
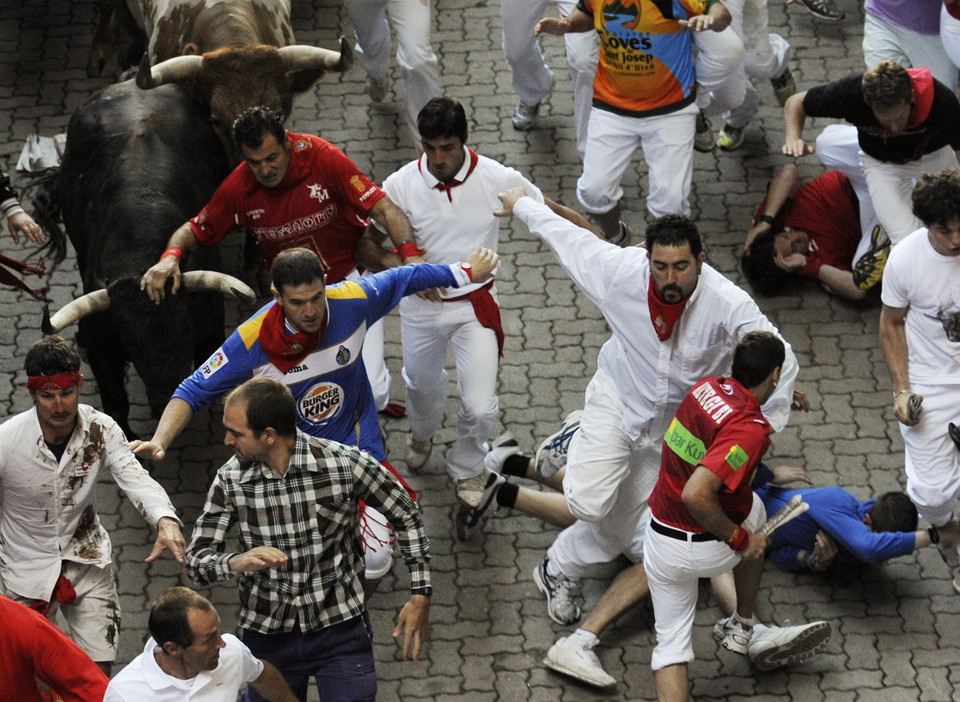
301 563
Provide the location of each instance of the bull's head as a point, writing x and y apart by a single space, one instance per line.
234 78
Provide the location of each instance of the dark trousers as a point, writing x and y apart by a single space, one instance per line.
340 657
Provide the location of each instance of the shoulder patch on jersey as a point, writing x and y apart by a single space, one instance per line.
347 290
358 184
249 331
217 361
736 457
301 144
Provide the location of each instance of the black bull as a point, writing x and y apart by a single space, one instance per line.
137 165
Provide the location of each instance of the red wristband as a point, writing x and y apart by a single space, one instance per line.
173 251
739 540
408 249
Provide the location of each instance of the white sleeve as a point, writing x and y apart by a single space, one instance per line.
592 263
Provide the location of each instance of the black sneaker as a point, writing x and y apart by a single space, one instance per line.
824 9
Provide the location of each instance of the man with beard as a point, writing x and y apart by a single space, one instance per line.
294 499
675 320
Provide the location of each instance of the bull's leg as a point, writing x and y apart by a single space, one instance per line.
108 363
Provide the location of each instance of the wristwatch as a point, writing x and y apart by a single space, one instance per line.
425 591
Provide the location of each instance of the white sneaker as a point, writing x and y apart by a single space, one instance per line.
571 657
703 140
525 116
560 591
377 88
552 453
775 646
733 635
470 490
503 447
488 500
417 452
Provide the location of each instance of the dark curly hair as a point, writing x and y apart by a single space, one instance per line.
254 123
936 198
760 270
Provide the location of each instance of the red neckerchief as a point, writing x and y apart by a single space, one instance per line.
447 187
922 83
60 381
283 349
663 315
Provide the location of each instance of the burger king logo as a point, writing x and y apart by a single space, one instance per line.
320 402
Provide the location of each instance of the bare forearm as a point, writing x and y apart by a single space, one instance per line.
572 216
893 341
794 117
840 282
175 418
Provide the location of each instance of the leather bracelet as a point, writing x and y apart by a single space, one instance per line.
766 218
408 249
174 251
934 535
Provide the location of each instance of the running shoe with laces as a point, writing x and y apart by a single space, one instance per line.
775 646
733 635
503 447
470 490
784 85
572 657
560 592
824 9
488 500
868 269
623 235
551 456
525 117
730 138
703 140
417 452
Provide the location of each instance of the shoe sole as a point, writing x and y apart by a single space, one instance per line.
809 643
555 666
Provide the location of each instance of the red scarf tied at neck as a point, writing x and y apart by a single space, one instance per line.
663 315
283 349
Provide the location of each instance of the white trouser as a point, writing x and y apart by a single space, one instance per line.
607 483
372 354
891 188
721 78
427 328
667 142
950 35
839 150
674 567
765 54
418 64
532 78
885 41
931 459
93 619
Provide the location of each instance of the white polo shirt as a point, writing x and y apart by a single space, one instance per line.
143 680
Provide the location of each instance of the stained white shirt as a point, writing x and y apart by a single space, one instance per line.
653 376
144 681
48 509
450 228
928 284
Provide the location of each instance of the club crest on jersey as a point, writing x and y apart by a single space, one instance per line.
358 184
318 192
320 402
343 355
217 361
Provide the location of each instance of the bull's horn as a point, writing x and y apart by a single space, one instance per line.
195 281
179 69
303 58
72 312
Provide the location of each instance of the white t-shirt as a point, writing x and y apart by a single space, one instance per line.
143 680
928 283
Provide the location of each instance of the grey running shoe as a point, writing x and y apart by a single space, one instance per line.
377 88
703 139
552 453
525 117
733 635
776 646
560 591
417 452
784 85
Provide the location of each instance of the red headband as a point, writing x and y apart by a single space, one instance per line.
59 381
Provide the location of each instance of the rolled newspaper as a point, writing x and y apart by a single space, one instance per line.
794 508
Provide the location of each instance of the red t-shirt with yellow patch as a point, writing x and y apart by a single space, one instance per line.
321 205
718 426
